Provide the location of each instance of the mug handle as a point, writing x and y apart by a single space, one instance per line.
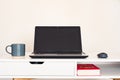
7 49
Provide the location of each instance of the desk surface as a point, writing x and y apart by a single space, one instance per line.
92 57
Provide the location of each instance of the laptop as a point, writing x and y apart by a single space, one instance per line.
57 42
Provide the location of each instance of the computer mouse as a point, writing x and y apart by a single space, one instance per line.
102 55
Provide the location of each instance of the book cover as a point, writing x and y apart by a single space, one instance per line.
87 69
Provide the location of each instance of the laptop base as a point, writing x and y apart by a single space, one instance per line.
59 57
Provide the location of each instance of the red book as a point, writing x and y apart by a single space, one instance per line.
87 69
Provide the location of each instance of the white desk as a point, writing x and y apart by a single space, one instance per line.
57 68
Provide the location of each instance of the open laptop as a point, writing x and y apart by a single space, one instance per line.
57 42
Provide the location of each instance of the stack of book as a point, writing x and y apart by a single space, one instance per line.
87 70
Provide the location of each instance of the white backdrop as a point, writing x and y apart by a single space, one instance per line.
99 21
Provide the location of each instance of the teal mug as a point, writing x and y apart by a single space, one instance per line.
16 49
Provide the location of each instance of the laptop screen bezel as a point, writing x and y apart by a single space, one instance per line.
36 51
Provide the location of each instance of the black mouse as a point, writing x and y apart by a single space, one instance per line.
102 55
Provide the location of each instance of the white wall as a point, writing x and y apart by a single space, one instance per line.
99 20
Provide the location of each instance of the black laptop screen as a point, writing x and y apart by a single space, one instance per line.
57 39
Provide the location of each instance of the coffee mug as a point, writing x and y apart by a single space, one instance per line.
16 49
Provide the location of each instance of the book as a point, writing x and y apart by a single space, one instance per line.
87 70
